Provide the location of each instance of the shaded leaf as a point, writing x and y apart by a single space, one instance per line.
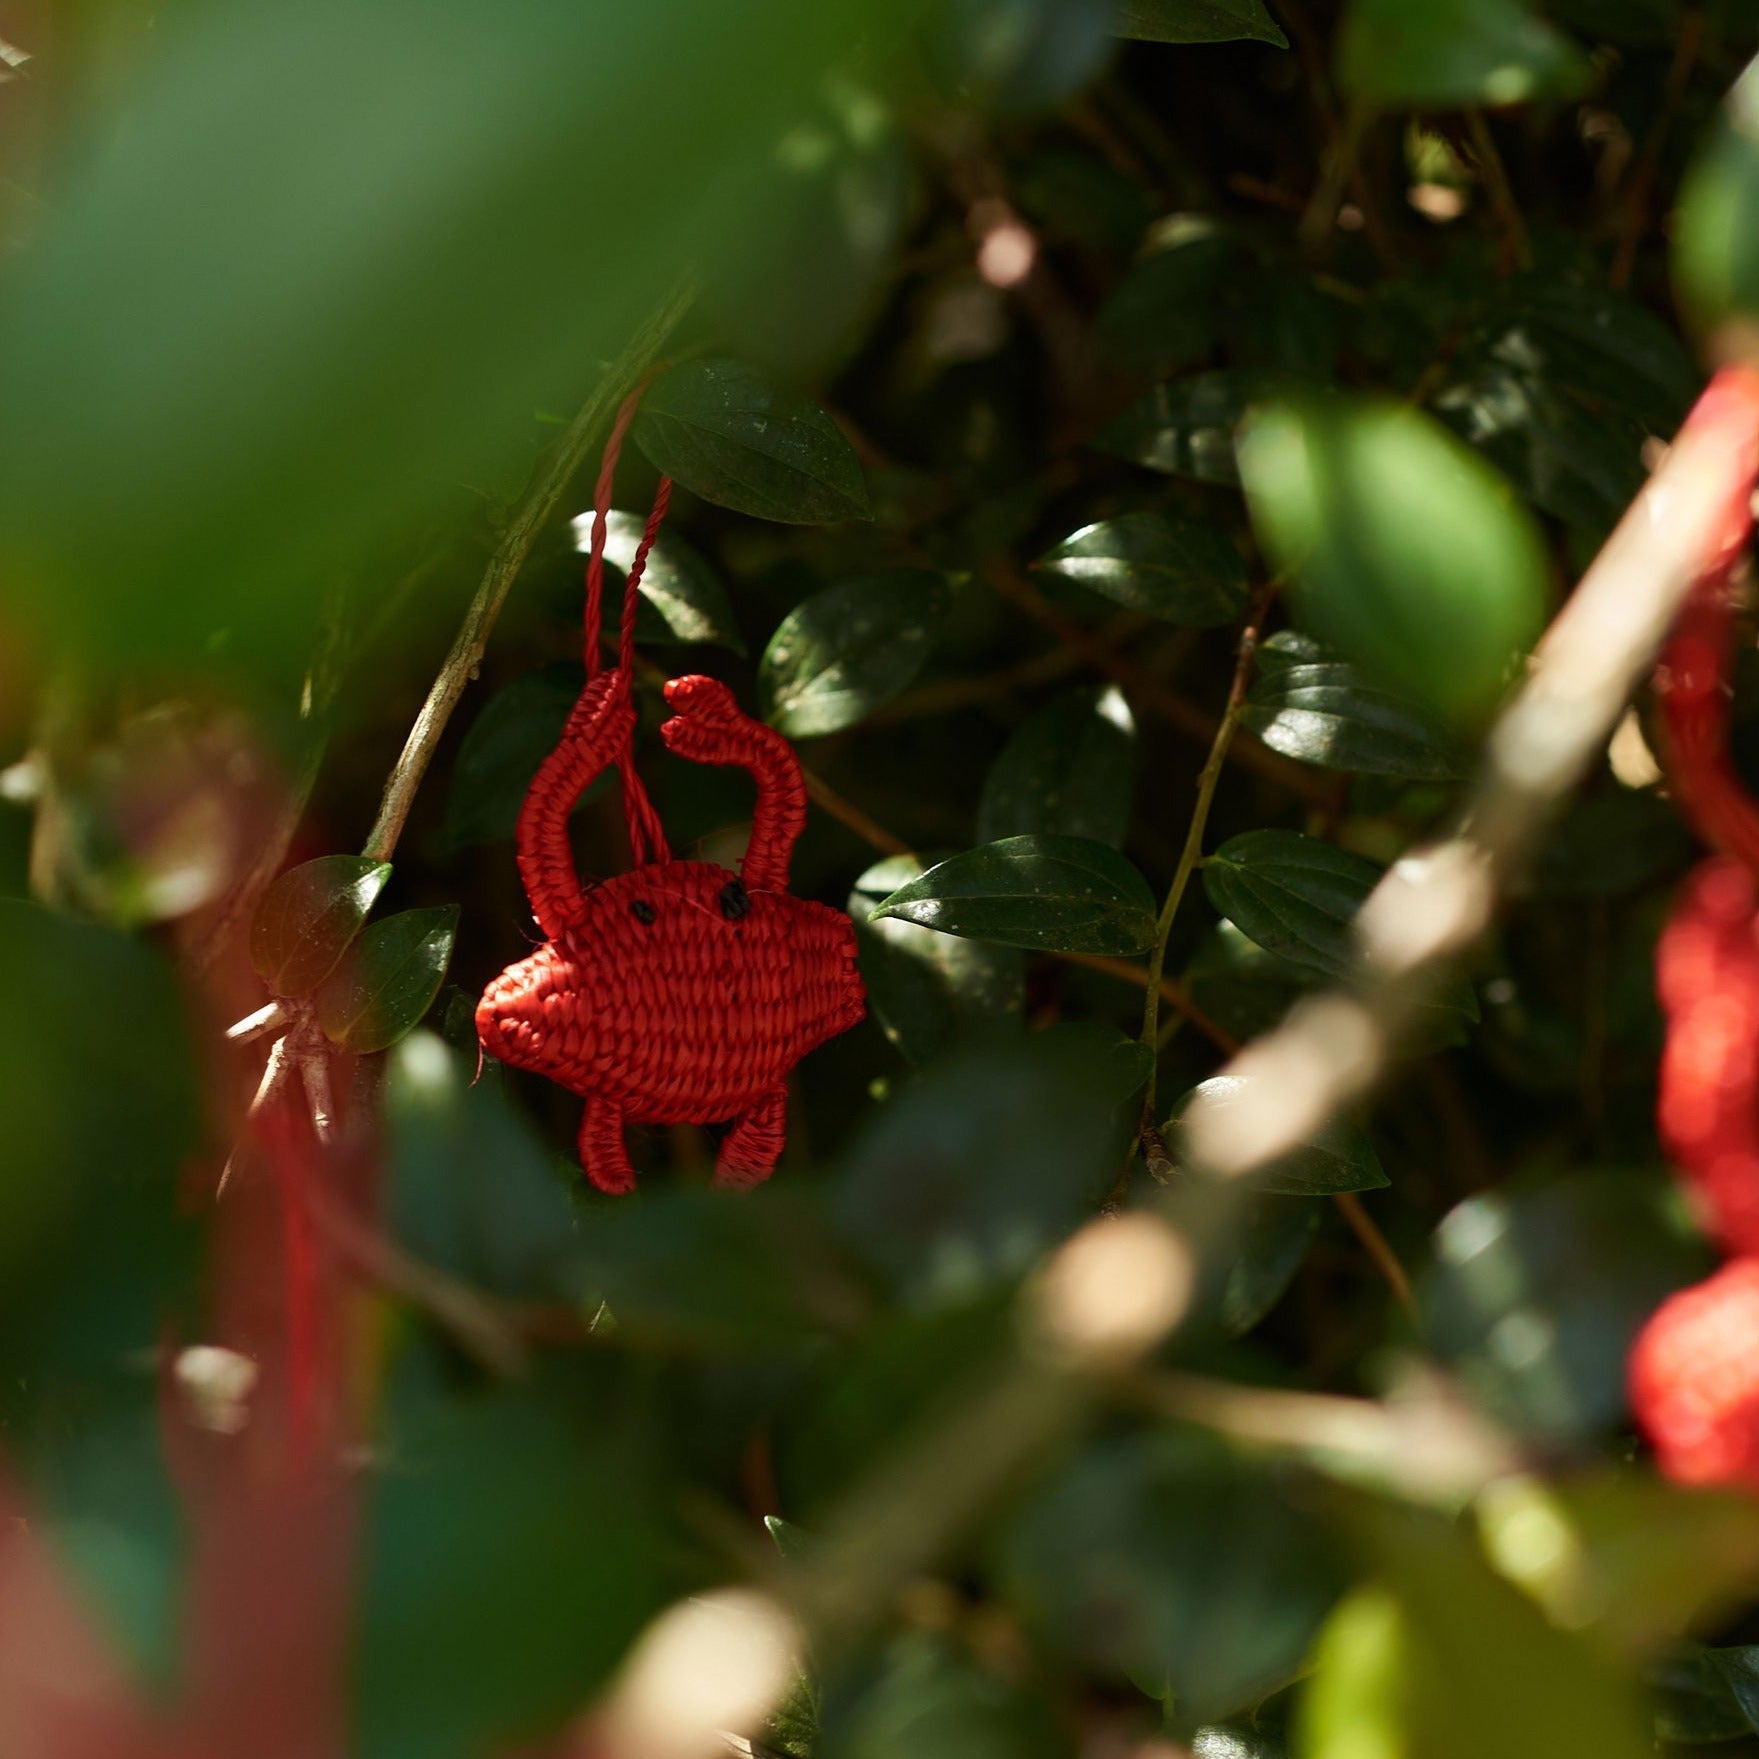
1270 1247
1068 771
1455 53
1407 552
1199 21
1338 1158
309 916
845 651
516 730
1321 711
388 980
1292 894
1186 428
1168 312
1052 894
723 431
1165 564
1694 1703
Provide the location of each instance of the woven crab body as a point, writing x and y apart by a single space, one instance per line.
679 992
670 1002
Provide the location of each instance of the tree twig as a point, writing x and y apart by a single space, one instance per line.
528 520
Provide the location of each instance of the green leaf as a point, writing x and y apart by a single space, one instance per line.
512 1551
1536 1296
1338 1158
957 1187
1050 894
930 991
1070 771
516 730
389 979
1716 231
1171 310
1292 894
1167 565
309 916
1186 428
1320 711
1199 21
1163 1557
472 1190
1452 53
1696 1703
681 597
1407 552
1270 1247
725 432
1019 56
845 651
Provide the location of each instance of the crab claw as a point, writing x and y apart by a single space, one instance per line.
707 720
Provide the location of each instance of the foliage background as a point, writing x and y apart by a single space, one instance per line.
297 303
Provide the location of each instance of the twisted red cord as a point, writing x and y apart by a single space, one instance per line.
1694 1370
676 993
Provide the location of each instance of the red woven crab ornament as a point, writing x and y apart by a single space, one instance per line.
679 992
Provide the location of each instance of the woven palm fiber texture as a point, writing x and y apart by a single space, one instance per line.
678 992
1694 1370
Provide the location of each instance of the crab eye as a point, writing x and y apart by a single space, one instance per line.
735 900
642 910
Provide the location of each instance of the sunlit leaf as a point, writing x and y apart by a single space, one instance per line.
1055 894
389 979
1166 564
681 597
308 917
1456 52
1337 1158
1716 233
1186 428
1293 894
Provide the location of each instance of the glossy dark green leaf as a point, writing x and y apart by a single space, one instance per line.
1169 312
1716 234
1292 894
1166 564
845 651
681 596
309 916
1536 1295
512 1550
517 728
1239 1740
388 980
472 1190
1454 53
1319 710
1187 428
1051 894
930 991
1338 1158
958 1186
1164 1557
1695 1702
725 432
1408 553
1199 21
1070 771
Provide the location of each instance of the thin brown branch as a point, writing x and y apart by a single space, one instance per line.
1638 202
851 817
1376 1245
528 520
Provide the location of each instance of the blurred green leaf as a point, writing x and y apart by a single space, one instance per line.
1319 710
1293 894
516 729
845 651
1169 312
725 432
681 597
1166 564
929 991
472 1191
1716 230
1447 53
984 1163
1199 21
1162 1556
1023 55
1051 894
1407 552
1695 1703
1187 428
1338 1158
1069 771
309 916
389 979
1537 1295
1270 1246
513 1550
